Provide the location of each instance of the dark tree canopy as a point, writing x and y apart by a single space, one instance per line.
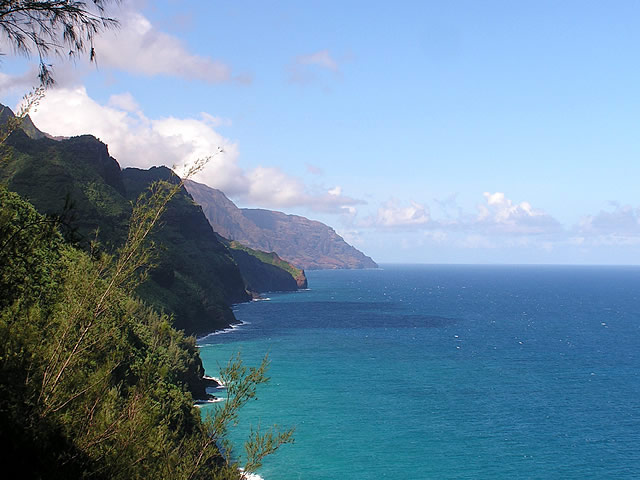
53 27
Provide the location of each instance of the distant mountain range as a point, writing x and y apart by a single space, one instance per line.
308 244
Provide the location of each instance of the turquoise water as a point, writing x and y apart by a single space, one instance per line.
465 372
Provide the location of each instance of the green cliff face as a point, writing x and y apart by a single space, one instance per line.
70 368
261 277
244 255
93 383
196 279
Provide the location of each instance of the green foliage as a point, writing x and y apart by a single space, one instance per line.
259 445
93 383
29 243
196 278
265 272
260 277
269 258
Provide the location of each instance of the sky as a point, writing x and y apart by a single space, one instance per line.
421 131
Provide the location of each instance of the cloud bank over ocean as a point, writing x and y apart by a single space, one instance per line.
445 152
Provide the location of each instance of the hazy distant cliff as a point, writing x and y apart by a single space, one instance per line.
306 243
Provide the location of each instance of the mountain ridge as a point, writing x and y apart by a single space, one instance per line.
308 244
196 277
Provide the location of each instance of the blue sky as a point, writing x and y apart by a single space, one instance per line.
436 132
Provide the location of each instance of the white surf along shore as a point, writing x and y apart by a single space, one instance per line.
214 398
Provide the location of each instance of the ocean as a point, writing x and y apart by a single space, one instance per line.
447 372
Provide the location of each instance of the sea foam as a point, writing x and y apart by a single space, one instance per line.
201 341
202 403
251 476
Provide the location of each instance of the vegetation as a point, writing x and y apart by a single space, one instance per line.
9 122
94 384
195 279
271 258
265 272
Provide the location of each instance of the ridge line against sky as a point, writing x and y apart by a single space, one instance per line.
422 132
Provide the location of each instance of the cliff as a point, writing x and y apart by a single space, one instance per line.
125 380
76 181
266 272
307 244
27 124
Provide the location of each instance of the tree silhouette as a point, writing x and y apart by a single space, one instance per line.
53 27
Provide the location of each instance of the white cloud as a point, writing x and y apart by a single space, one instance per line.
134 139
353 237
20 83
497 216
138 141
623 220
215 121
139 47
392 214
271 186
500 215
436 236
499 223
65 73
614 239
620 226
124 101
349 210
475 241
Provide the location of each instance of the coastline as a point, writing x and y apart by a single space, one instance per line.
238 323
201 342
219 385
230 328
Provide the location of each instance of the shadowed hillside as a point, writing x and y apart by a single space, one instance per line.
196 278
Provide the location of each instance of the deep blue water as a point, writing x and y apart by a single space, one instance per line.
465 372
